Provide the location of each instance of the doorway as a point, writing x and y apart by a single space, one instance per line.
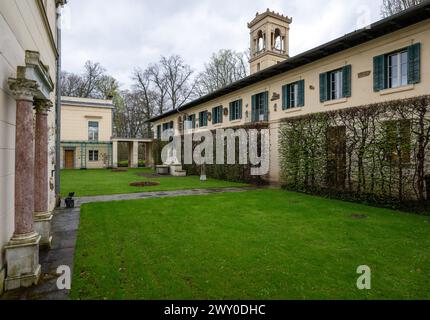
69 159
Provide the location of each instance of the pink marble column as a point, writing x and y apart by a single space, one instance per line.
22 251
41 184
42 216
24 91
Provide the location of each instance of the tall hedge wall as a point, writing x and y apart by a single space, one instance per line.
377 153
235 173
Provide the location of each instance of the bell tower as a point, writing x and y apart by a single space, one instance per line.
269 40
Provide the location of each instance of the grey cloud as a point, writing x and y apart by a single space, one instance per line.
126 34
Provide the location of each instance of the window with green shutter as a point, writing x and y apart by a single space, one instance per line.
379 82
398 68
203 119
217 115
236 110
159 132
346 73
293 95
191 122
324 87
335 84
260 107
414 63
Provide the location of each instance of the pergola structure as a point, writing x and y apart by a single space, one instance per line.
133 151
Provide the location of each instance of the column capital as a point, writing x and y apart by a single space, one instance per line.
42 106
23 89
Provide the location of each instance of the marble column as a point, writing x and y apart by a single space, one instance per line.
22 251
42 216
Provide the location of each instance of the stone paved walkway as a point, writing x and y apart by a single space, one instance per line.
65 225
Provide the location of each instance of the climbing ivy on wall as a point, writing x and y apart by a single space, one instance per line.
377 153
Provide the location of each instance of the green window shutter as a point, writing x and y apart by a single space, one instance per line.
301 97
266 106
414 57
220 114
347 74
254 117
379 73
240 109
230 111
323 87
214 116
285 100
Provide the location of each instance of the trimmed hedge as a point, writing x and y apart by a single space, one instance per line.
375 154
234 173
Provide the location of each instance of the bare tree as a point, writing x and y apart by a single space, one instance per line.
145 96
224 68
91 77
160 87
70 84
86 85
178 79
390 7
107 87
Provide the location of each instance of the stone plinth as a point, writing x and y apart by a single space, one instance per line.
22 256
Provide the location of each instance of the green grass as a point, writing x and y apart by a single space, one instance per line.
106 182
265 244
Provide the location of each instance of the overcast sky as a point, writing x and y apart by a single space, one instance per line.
125 34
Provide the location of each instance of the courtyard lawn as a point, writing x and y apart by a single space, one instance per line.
266 244
106 182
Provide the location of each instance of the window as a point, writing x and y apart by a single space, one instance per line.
159 132
191 122
236 110
293 95
93 155
93 131
279 43
260 107
217 115
168 126
203 119
260 41
335 84
398 141
397 69
335 89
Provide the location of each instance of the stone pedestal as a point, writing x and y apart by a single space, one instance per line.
42 216
22 256
22 251
42 225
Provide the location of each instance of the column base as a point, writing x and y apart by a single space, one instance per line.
22 260
42 225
